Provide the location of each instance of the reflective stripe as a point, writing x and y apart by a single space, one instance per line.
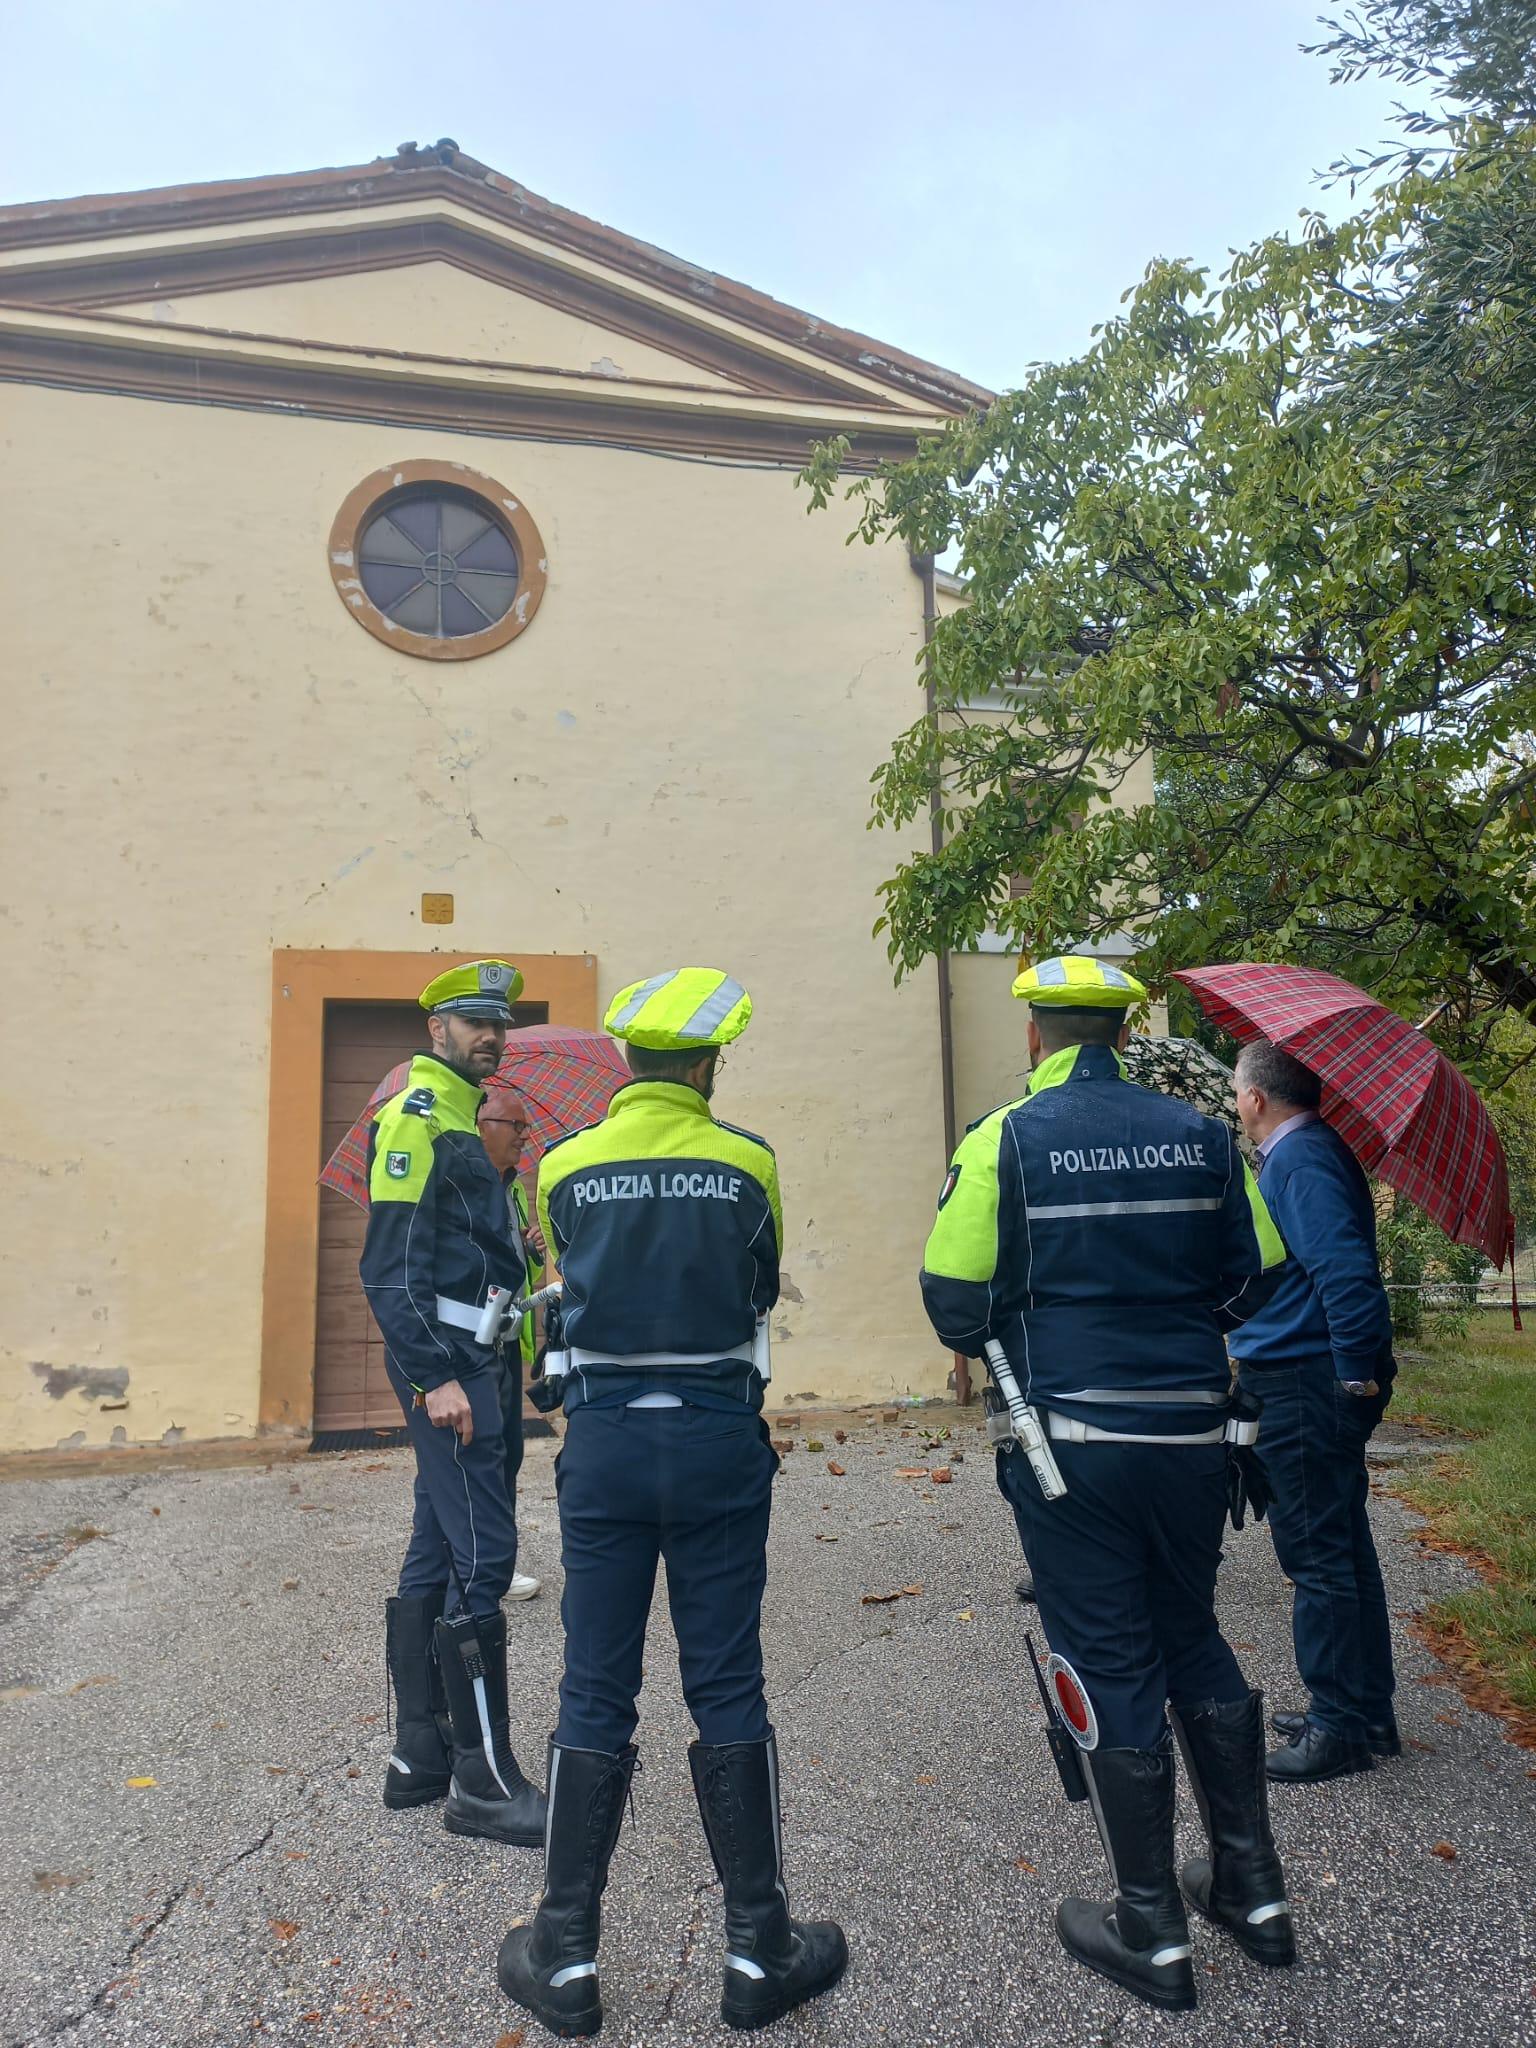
574 1970
1071 1431
398 1763
463 1315
1272 1911
1177 1952
577 1358
1181 1396
1051 974
640 998
713 1011
1180 1208
746 1966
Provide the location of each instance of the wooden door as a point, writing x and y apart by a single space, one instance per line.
362 1042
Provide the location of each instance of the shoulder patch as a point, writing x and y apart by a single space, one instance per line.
397 1165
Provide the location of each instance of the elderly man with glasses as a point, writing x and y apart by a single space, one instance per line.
503 1121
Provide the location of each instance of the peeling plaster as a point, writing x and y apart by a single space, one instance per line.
97 1383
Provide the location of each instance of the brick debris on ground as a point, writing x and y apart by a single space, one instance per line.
192 1720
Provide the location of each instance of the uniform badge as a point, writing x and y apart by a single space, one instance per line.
397 1165
949 1186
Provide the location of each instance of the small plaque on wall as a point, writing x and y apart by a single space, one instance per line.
437 910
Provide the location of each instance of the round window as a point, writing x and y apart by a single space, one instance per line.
437 560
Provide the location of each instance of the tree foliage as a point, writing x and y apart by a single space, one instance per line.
1281 531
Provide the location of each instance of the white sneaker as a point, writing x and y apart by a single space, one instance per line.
524 1587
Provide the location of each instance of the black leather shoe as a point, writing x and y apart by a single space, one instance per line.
1024 1591
1381 1737
1314 1756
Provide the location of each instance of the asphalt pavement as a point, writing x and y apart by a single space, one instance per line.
192 1730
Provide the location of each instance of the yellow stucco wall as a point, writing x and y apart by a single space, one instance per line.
207 759
433 309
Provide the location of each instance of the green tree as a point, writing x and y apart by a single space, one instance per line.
1223 535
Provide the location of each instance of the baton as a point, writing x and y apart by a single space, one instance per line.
1028 1434
1064 1751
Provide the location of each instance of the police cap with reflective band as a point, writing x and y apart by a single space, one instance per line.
1074 982
683 1008
483 988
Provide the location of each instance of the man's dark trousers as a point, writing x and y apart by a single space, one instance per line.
1312 1439
463 1536
509 1371
691 1485
1125 1567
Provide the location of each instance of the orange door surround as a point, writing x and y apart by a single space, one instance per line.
303 984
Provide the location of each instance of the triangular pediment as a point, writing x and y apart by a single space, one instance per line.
436 254
434 308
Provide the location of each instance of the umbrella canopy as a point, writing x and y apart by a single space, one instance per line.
1183 1067
1404 1111
566 1076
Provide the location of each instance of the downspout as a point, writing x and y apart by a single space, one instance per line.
924 567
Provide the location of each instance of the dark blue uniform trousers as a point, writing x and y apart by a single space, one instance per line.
1312 1439
691 1485
463 1536
1125 1570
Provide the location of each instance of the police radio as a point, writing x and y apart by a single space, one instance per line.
1024 1424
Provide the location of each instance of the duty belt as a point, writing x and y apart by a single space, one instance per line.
1067 1429
463 1315
638 1360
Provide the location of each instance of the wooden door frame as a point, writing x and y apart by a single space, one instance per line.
303 983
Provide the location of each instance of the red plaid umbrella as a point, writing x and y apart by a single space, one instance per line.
1404 1111
566 1076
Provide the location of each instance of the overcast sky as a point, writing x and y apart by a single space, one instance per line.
975 182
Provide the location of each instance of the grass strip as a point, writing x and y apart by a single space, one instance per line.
1480 1500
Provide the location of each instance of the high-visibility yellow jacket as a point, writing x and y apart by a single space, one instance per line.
667 1228
438 1233
1107 1236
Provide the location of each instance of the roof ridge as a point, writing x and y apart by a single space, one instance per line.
443 169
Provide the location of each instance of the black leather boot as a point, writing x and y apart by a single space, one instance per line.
489 1794
1140 1939
1241 1885
550 1968
772 1963
419 1768
1381 1737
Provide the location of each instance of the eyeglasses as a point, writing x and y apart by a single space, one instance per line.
514 1124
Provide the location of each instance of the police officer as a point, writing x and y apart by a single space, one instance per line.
437 1240
666 1227
1106 1236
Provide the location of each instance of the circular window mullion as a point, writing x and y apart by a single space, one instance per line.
366 535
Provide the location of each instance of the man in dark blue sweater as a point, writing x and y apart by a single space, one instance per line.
1319 1357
